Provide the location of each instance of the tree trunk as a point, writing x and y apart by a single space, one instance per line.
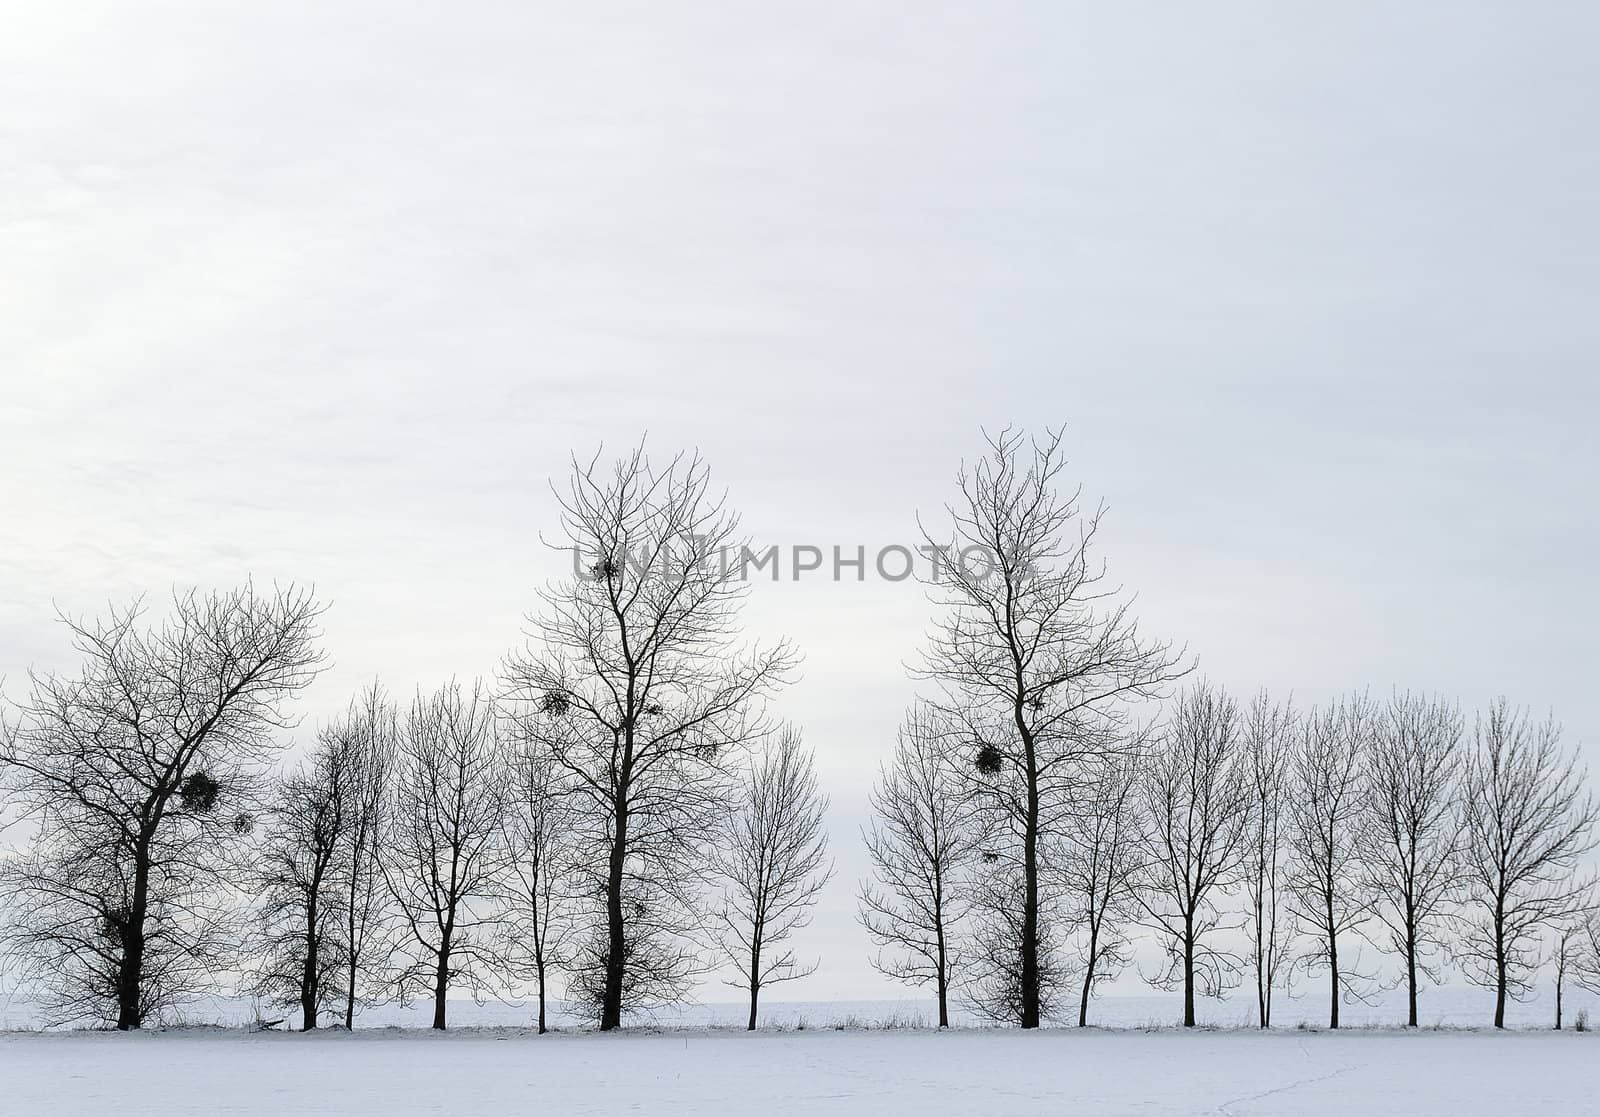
1260 943
1411 960
308 971
128 980
1265 953
1411 981
350 997
1188 971
755 971
1499 965
1261 982
1558 1004
362 853
541 998
130 975
1500 973
308 992
441 982
1030 888
1333 945
350 994
1333 980
353 961
1088 975
943 976
611 1002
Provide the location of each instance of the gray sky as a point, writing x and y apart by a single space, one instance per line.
330 295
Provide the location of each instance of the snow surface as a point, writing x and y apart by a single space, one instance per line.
985 1072
846 1057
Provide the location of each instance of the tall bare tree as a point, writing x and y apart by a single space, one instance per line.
539 870
1329 809
370 733
141 776
1102 870
773 861
1196 800
1409 838
443 851
1270 732
634 680
1038 651
921 845
1526 826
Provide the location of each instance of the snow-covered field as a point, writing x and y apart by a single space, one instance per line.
700 1072
847 1057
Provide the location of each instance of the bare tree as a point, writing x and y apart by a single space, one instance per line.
1039 652
141 775
322 891
1328 811
539 872
636 684
1270 730
1409 837
1196 800
773 862
370 733
298 878
443 849
1102 870
921 845
1566 958
1527 825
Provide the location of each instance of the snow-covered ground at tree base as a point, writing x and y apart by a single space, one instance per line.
1457 1006
383 1073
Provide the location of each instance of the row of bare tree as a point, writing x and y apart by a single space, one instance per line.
448 847
1246 842
620 806
1042 807
448 850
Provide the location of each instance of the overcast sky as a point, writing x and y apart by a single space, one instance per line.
329 292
